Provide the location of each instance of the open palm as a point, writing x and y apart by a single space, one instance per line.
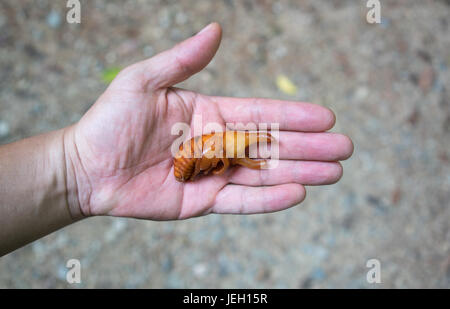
123 144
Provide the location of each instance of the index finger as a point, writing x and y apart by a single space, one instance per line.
291 115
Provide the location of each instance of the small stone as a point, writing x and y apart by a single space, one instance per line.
32 51
62 272
280 52
396 195
4 128
376 203
425 56
53 19
37 34
181 18
373 200
348 222
252 48
110 57
426 79
361 93
127 47
2 20
318 274
148 51
307 283
263 274
385 22
116 228
174 282
167 264
164 19
277 8
199 270
414 117
223 270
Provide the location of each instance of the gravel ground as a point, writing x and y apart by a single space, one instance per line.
388 83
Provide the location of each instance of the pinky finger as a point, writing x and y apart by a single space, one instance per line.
236 199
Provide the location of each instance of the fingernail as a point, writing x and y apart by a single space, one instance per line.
205 29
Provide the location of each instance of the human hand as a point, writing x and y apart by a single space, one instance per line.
119 153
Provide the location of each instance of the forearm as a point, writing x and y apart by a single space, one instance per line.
37 190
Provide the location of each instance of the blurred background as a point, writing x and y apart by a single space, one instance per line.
388 83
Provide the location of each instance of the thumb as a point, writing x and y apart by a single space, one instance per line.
183 60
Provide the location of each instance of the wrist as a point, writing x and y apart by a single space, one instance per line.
76 180
59 173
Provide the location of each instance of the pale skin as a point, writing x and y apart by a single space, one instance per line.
117 161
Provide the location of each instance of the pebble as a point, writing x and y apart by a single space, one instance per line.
148 51
199 270
167 264
2 20
53 19
318 274
62 272
164 20
319 253
4 128
174 282
279 52
116 229
361 93
277 8
181 18
426 79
